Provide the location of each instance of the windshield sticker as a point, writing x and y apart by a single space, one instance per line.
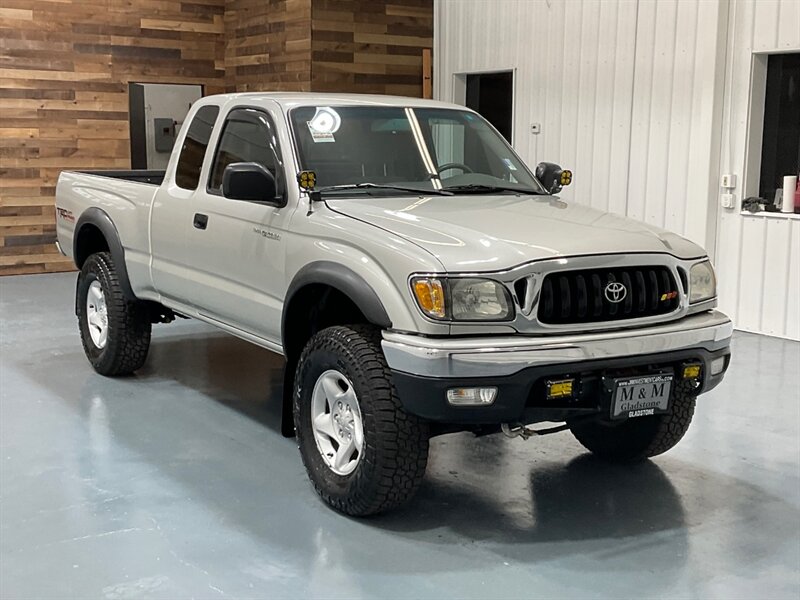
320 136
509 164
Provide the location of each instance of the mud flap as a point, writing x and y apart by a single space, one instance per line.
287 409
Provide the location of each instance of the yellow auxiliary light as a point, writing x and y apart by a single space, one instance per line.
566 177
307 179
560 389
691 371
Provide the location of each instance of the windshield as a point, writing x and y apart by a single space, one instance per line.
422 148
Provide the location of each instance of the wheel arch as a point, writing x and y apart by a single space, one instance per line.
342 279
322 294
96 232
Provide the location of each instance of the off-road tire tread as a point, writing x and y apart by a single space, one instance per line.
400 440
669 431
129 323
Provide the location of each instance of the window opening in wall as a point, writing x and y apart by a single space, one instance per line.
492 96
780 147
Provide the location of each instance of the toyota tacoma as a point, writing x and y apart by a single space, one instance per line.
417 276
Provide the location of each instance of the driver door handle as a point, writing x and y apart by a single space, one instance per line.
200 221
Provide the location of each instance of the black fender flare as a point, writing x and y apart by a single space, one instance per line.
348 282
343 279
101 220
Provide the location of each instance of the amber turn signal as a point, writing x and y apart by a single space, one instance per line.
429 293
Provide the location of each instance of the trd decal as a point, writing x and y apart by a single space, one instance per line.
65 214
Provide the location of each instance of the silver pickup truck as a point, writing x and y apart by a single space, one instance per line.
418 278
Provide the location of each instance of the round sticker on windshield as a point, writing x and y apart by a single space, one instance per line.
324 124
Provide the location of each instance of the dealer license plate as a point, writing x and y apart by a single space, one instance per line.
640 396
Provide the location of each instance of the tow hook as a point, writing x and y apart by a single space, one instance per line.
512 430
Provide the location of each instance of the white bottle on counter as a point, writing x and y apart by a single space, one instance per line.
789 185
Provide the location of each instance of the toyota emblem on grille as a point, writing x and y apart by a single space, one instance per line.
615 292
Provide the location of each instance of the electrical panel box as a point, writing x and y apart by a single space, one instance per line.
164 134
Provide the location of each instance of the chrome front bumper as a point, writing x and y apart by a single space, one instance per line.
502 356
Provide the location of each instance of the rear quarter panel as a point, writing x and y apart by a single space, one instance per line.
127 203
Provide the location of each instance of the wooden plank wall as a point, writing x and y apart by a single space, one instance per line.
362 46
370 46
65 66
64 73
268 45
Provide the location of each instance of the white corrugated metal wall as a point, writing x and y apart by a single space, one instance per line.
578 90
676 96
758 258
630 96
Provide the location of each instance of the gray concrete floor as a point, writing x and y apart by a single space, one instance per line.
177 483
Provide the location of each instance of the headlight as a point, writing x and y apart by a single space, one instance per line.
463 299
479 300
702 282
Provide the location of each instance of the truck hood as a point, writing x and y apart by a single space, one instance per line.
496 232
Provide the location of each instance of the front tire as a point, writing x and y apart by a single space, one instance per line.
640 438
363 453
115 331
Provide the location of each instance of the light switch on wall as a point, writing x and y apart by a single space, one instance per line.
728 200
536 127
728 181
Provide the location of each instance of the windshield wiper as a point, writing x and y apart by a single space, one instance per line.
479 188
381 186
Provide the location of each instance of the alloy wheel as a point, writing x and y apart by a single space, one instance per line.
336 422
97 315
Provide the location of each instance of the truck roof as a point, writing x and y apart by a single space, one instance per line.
291 99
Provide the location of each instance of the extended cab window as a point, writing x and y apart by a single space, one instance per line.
187 173
249 136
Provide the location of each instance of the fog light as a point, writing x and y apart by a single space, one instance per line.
718 365
691 371
480 396
560 389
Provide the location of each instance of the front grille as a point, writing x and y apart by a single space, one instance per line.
582 296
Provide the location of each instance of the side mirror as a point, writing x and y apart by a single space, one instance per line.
553 177
250 181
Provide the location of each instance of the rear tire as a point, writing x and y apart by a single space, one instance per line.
115 331
640 438
388 465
